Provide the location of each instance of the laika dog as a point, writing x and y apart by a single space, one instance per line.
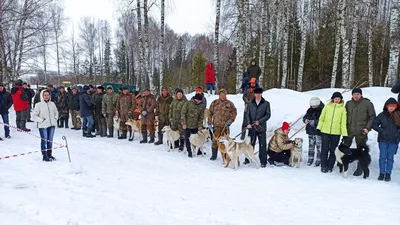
234 149
295 156
135 127
197 140
116 121
346 155
172 136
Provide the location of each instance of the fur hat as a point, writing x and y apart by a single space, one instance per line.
100 87
198 97
285 126
315 101
86 88
258 90
222 91
1 85
337 95
356 90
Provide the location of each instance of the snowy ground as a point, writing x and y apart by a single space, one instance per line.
119 182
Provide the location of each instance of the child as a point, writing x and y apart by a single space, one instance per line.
314 136
387 124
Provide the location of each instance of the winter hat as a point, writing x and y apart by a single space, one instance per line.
222 91
357 90
86 88
19 82
75 87
91 86
258 90
25 83
164 88
1 85
124 88
198 97
253 80
337 95
285 126
109 87
199 89
178 90
315 101
100 87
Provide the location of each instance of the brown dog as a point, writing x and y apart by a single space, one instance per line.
135 127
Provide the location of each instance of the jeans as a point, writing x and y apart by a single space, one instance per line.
386 157
47 138
211 87
88 123
6 121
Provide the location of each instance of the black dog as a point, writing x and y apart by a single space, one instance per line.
345 156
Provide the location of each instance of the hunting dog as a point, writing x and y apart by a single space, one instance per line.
116 121
295 156
135 127
346 155
234 149
226 159
197 140
172 136
207 114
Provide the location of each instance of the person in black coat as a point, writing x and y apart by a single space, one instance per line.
258 113
314 136
245 82
86 106
5 104
387 124
396 90
254 71
31 94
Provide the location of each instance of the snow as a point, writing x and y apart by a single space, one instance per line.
114 181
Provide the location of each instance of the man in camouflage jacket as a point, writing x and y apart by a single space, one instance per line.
99 118
162 112
192 119
147 107
108 106
61 101
126 104
222 114
175 117
73 105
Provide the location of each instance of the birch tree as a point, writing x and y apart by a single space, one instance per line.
394 43
263 39
304 29
216 36
285 39
372 13
345 45
354 40
162 48
337 48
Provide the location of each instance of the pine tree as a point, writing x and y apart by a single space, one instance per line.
107 62
199 66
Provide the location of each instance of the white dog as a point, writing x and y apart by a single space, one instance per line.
116 124
172 136
234 149
197 140
295 156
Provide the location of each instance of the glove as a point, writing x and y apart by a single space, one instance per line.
228 123
144 113
130 115
311 122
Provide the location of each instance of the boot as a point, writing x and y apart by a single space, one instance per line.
110 132
324 169
144 135
209 92
83 133
176 144
160 139
49 154
151 138
61 123
387 178
317 163
123 135
45 156
18 123
58 123
7 134
23 126
89 134
381 177
246 161
358 171
309 162
66 122
213 92
181 144
214 152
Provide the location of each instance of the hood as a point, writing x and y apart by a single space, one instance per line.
41 95
210 66
244 74
390 101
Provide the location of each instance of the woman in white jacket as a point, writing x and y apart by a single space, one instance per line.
46 115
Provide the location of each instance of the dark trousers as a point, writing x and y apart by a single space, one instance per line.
262 144
189 132
329 144
6 122
361 140
22 117
282 156
101 124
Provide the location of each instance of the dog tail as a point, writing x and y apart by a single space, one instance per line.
247 140
339 155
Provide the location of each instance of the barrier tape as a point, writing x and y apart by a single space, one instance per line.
28 153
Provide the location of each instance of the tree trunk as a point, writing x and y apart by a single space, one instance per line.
394 43
263 40
337 49
240 41
146 51
216 41
371 23
354 40
304 29
285 40
162 48
142 72
345 45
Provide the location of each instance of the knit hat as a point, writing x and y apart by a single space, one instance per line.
258 90
315 101
86 88
253 80
357 90
124 88
198 89
337 95
198 97
164 88
101 88
18 82
147 89
25 83
91 86
178 90
109 87
285 126
222 91
75 87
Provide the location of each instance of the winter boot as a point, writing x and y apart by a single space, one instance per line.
214 152
209 92
310 162
7 134
45 156
61 123
123 135
387 178
381 176
49 154
324 169
160 139
358 171
1 139
317 163
144 135
66 122
18 123
89 134
110 132
151 138
181 144
213 92
23 126
83 132
246 161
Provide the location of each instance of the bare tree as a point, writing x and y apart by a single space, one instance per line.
88 35
216 36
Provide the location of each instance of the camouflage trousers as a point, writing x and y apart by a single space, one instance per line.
178 126
110 119
148 126
162 124
76 118
314 141
219 132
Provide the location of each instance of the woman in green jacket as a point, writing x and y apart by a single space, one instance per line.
332 124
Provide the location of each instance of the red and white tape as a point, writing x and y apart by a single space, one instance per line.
28 153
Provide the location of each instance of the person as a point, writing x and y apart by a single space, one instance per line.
61 101
332 124
69 90
311 119
46 115
86 105
210 78
126 105
387 124
36 99
5 104
222 114
258 113
245 82
396 90
280 146
20 98
254 71
360 116
53 92
175 112
199 90
146 107
99 117
192 120
162 110
108 107
248 96
74 108
30 94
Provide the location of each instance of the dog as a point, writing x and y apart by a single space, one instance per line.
234 149
346 155
135 127
197 141
207 114
172 136
295 156
116 121
226 159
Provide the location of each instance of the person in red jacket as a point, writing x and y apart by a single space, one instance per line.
21 104
210 78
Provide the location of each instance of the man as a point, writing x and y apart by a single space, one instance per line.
92 95
21 104
245 82
109 104
162 110
86 106
280 146
146 107
199 90
31 94
126 104
175 113
222 114
5 104
52 91
36 99
74 107
258 113
61 101
99 117
192 120
360 117
248 96
254 71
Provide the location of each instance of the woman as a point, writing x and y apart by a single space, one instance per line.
332 124
387 124
210 78
46 115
